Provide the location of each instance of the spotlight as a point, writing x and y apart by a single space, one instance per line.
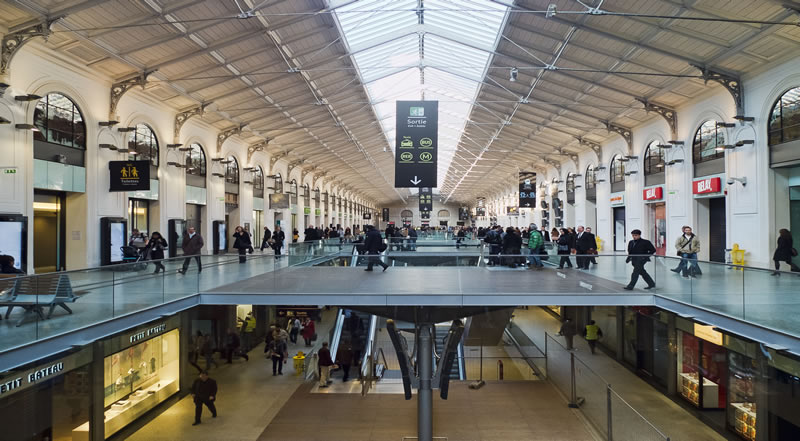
126 129
30 127
28 97
173 146
108 146
513 75
108 123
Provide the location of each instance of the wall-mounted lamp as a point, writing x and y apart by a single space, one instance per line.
27 98
745 141
173 146
175 164
108 146
721 148
631 157
674 142
226 161
30 127
217 159
631 173
579 186
600 180
600 167
126 129
108 123
577 175
124 150
664 146
742 118
248 182
742 181
726 125
184 149
673 162
248 168
218 174
4 121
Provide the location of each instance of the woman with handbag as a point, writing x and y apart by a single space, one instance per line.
242 243
564 247
157 245
784 252
308 331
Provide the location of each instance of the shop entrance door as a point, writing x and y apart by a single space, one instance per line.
49 224
139 216
619 229
258 226
658 227
193 217
644 344
279 221
294 223
716 236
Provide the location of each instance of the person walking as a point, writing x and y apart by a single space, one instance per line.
277 240
157 245
295 323
233 346
266 240
563 244
137 240
242 243
325 363
512 247
373 244
639 252
248 330
592 259
535 244
308 332
204 391
277 351
568 331
207 351
192 246
784 252
687 246
592 333
412 238
195 349
344 358
584 246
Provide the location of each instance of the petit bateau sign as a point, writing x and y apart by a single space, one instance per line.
708 185
652 194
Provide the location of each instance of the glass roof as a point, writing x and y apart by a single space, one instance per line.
440 52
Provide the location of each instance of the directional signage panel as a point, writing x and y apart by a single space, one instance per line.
527 189
416 144
385 215
425 199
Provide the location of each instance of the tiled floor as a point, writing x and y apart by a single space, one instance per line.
500 411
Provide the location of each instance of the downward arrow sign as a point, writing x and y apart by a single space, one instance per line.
416 181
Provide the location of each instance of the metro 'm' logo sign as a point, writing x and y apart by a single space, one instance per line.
650 194
710 185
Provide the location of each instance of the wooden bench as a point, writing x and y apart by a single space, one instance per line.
34 293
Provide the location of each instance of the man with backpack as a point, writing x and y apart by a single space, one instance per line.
494 240
535 244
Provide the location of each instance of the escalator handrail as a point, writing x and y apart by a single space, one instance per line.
337 333
370 347
462 373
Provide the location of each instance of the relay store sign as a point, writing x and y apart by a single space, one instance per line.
709 185
618 199
653 194
417 138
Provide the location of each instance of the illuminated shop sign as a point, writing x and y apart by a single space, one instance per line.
147 333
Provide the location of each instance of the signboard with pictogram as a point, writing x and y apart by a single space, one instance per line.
416 144
425 199
129 175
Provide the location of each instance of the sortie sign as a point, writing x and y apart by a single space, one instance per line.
416 144
527 189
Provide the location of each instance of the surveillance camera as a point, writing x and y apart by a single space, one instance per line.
731 181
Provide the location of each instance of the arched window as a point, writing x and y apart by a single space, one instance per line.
232 170
784 121
278 183
407 214
590 178
706 141
570 188
143 144
617 169
316 195
443 213
293 187
653 159
196 160
59 122
307 195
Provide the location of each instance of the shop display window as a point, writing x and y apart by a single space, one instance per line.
701 362
139 378
741 382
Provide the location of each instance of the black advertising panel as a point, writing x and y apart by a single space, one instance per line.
527 189
425 199
463 213
113 236
14 239
416 143
129 175
385 215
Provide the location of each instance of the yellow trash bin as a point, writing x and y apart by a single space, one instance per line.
299 362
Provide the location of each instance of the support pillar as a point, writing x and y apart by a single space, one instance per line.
620 333
425 393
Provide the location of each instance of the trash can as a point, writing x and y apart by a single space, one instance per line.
299 363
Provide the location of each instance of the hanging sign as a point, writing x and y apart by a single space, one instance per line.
425 199
416 143
129 175
367 216
385 215
708 185
652 194
527 189
512 211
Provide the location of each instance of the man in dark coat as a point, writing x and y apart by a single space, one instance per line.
192 246
639 251
204 391
584 244
265 240
372 243
232 346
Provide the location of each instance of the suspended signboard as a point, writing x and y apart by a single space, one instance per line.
527 189
416 143
425 199
385 215
129 175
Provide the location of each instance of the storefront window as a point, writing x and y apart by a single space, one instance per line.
139 378
742 407
701 362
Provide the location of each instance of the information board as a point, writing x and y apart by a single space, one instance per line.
129 175
416 144
425 199
527 189
385 215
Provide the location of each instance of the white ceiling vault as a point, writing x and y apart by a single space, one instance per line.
318 78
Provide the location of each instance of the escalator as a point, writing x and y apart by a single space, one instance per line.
457 371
